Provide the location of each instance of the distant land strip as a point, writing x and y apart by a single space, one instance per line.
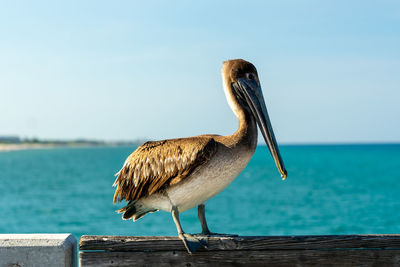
10 143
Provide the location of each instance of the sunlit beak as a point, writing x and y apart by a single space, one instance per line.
252 94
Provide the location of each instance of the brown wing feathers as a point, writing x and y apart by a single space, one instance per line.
154 165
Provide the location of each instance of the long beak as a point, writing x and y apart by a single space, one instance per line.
252 94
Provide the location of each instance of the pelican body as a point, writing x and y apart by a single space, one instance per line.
179 174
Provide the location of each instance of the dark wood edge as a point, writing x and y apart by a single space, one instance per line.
276 258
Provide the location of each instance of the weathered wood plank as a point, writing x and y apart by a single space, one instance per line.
276 258
158 243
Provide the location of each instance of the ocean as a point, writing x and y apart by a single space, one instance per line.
330 189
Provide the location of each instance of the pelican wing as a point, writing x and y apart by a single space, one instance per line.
155 165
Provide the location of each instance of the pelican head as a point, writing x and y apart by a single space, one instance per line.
243 91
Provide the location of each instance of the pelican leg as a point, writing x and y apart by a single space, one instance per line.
204 227
190 242
201 212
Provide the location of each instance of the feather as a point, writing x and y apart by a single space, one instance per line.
156 165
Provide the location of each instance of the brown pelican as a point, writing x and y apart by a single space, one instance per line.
179 174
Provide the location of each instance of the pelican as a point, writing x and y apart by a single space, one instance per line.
175 175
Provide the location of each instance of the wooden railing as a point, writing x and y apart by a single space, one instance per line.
327 250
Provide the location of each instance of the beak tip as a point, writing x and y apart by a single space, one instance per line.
284 175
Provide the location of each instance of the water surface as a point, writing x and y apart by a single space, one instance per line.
347 189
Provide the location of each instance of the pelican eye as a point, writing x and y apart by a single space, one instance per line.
250 76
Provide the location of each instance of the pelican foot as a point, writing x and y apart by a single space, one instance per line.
192 243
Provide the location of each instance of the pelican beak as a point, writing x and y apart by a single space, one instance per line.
250 92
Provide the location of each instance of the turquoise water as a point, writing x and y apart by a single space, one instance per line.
330 190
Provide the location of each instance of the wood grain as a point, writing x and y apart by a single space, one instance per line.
167 243
276 258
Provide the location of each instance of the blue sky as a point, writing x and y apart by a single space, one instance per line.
330 70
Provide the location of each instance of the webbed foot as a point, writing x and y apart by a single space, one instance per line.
192 243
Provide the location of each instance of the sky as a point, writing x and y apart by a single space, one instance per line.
125 70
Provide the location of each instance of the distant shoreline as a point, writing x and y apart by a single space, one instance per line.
31 146
17 147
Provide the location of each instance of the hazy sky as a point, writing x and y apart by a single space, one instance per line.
330 70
